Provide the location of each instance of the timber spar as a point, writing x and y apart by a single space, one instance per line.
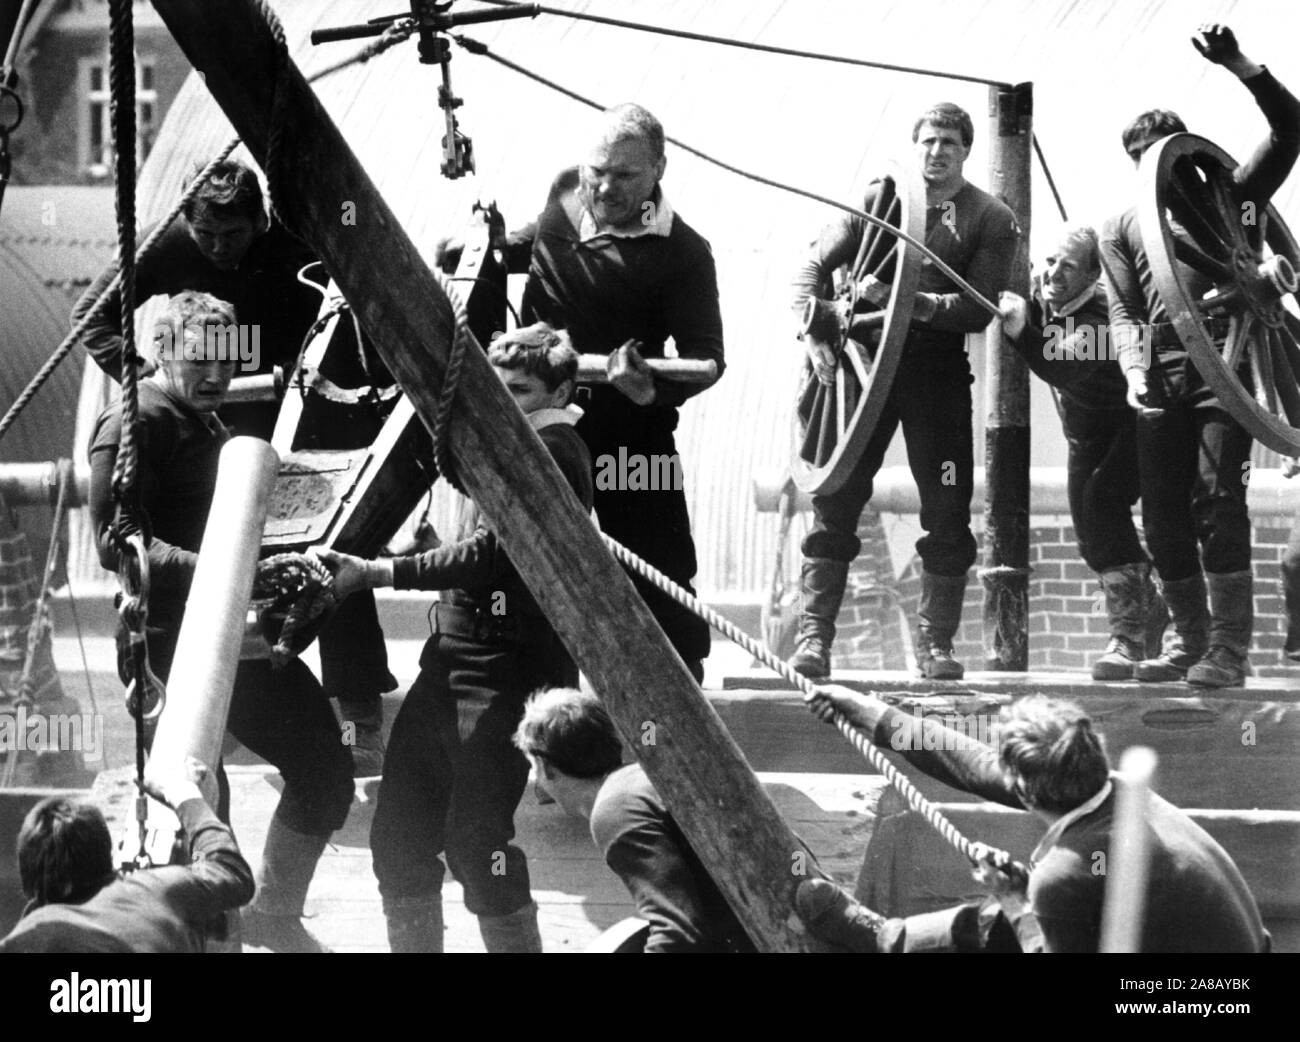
244 98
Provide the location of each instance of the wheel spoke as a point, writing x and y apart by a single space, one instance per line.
1234 345
827 434
811 410
1191 212
853 351
1288 339
1260 236
1193 255
842 377
1288 389
1261 367
1227 207
883 244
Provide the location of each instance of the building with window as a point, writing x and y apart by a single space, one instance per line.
63 69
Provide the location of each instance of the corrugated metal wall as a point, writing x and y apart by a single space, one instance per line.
1095 63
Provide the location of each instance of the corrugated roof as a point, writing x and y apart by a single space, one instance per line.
824 127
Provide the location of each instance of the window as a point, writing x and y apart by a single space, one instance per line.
96 122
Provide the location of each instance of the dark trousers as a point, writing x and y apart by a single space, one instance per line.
1102 483
452 776
931 399
1193 465
283 716
654 524
353 655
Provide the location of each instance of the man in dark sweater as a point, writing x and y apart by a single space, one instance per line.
614 265
452 779
1050 762
1064 330
281 714
224 244
78 903
1192 455
572 742
930 398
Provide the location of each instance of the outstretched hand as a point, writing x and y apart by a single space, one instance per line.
829 699
172 787
350 573
1217 43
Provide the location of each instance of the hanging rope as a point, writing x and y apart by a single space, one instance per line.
395 34
746 45
475 47
975 852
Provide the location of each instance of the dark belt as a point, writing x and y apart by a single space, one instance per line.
457 615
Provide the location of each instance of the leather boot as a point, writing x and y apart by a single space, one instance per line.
938 617
833 916
274 919
1232 620
1126 608
823 583
1186 639
1157 617
414 924
516 932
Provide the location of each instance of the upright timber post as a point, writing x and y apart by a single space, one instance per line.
1006 432
720 806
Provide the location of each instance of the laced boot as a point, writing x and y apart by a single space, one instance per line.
274 919
823 583
1126 609
415 924
1156 620
1185 641
516 932
833 916
1232 619
938 617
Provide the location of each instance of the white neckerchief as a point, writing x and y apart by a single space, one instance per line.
1071 306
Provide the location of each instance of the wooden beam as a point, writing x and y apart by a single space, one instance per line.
699 770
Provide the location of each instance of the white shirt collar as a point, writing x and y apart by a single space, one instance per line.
658 220
568 416
1053 835
1071 306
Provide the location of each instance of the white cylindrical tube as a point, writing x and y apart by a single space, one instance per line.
202 678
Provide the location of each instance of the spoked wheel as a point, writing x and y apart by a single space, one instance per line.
836 422
1228 282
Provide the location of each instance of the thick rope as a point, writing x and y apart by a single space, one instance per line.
975 852
475 47
393 35
40 624
122 101
746 45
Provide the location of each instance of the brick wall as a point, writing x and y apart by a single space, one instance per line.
1067 616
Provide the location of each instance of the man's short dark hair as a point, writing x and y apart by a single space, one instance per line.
1154 123
571 730
539 350
1048 748
231 192
65 852
949 116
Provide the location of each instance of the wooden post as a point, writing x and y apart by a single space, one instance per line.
202 679
1006 432
715 798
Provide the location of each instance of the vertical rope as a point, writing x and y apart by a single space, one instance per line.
122 86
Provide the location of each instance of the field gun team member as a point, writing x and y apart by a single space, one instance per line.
1192 455
78 903
224 244
579 760
930 398
1068 319
453 779
1049 761
614 265
282 716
